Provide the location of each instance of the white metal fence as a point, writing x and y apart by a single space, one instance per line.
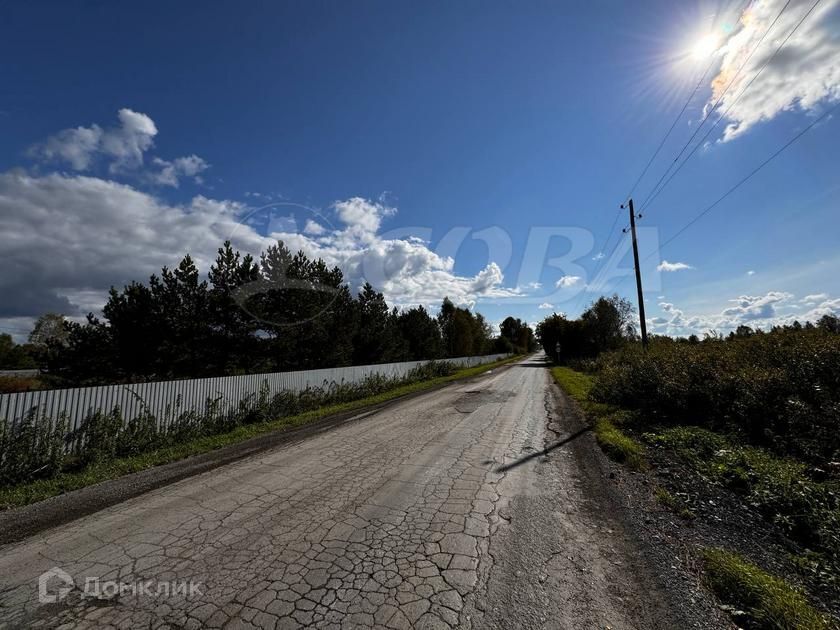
164 399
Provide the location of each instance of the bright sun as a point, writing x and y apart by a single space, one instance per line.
705 47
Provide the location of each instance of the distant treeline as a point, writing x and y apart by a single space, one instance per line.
605 325
283 312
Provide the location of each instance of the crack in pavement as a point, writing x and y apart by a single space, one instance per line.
390 522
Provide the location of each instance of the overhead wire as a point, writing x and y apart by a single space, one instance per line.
670 130
747 177
714 107
651 198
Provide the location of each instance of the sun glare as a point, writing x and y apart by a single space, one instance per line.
705 47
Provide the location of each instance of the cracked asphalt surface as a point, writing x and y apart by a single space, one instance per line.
436 512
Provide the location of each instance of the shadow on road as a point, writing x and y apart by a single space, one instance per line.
545 451
533 363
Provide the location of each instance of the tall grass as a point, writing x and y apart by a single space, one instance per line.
768 601
39 447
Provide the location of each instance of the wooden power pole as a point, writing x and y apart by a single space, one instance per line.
638 273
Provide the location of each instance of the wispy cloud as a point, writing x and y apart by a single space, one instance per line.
814 298
675 266
568 281
170 173
546 306
122 145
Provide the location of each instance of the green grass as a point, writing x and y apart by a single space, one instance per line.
779 487
666 499
669 501
34 491
618 446
769 601
575 384
605 419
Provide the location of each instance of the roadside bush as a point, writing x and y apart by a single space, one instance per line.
778 389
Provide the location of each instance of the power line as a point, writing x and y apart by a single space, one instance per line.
610 233
708 208
612 251
713 108
671 128
731 105
674 123
662 142
740 183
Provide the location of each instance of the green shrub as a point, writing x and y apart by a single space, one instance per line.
666 499
780 390
769 601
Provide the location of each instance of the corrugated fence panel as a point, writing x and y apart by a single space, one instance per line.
166 400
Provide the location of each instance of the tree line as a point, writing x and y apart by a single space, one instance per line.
606 325
281 312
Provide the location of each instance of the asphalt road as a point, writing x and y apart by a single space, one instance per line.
439 511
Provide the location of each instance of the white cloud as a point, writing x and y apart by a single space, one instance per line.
599 256
314 228
362 215
74 146
121 147
774 308
489 277
568 281
749 307
751 272
171 172
669 266
546 306
65 239
61 235
814 298
805 73
826 307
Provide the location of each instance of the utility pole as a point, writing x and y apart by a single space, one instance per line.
638 272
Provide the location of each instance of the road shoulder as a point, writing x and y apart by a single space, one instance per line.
568 554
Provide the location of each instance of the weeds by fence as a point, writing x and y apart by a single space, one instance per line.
39 444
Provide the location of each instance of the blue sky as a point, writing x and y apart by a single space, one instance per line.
136 132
